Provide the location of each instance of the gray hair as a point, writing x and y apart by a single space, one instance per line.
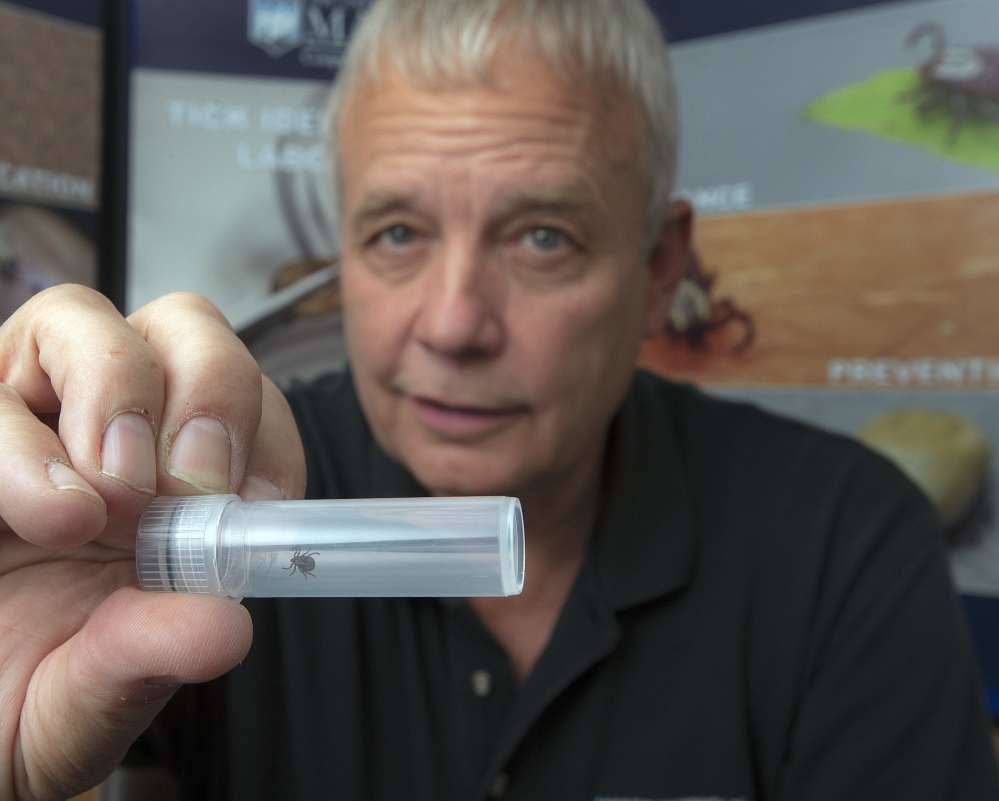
615 43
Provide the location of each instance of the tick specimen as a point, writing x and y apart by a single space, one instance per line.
302 562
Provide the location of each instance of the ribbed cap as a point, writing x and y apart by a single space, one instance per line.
175 547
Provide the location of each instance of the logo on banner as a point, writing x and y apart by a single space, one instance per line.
276 25
321 28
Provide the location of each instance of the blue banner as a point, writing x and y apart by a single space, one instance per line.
685 20
307 38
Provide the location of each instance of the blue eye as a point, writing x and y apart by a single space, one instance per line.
399 235
544 238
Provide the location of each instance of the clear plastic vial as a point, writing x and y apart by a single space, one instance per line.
220 545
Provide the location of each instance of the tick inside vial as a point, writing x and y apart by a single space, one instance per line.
302 563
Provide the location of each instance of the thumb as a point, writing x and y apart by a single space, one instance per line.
92 697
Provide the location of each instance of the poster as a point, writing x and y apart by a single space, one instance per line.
50 112
845 171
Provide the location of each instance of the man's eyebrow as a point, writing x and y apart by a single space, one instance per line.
559 200
567 200
381 203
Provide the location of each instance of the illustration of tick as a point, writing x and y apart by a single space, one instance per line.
694 313
962 80
302 562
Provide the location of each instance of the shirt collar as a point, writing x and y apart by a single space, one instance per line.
645 542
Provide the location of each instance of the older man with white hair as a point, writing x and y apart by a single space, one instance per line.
718 604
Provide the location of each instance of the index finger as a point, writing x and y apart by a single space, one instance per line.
69 355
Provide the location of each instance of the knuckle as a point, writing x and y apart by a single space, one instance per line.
75 294
188 326
49 308
179 303
57 304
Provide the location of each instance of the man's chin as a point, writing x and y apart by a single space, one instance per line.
463 477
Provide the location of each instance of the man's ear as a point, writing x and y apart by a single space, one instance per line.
670 255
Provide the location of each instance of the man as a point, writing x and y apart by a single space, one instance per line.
718 604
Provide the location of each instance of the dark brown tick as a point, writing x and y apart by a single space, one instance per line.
694 313
302 562
962 80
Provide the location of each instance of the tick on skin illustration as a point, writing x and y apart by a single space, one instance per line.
947 104
694 313
962 80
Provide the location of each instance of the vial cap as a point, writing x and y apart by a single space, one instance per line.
175 549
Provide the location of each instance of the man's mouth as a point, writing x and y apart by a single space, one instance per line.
453 419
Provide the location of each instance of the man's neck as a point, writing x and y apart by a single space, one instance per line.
557 532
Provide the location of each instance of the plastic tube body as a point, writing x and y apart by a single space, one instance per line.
409 547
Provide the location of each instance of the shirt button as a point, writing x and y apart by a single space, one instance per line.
499 785
482 683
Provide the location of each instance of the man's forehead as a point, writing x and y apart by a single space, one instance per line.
525 98
513 65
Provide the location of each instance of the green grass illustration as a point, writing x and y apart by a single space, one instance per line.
878 106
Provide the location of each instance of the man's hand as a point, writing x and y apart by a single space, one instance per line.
96 415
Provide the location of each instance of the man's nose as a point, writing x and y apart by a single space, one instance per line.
461 314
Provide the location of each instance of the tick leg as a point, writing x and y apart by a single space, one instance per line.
959 110
732 313
725 312
933 99
989 109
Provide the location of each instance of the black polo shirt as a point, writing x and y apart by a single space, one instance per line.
764 612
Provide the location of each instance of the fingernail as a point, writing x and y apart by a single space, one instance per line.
62 476
257 487
128 452
200 455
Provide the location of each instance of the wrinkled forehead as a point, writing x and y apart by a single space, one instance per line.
524 99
